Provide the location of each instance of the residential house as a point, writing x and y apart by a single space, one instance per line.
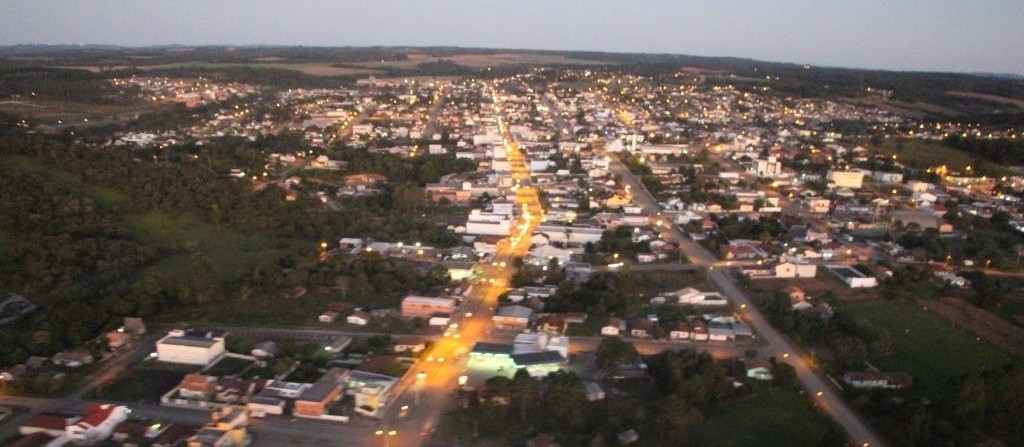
359 318
641 328
795 270
796 295
328 317
74 359
410 344
197 387
698 330
759 369
613 326
679 330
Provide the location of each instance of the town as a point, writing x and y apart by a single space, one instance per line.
581 235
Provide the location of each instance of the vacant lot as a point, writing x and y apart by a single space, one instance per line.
765 420
145 383
927 347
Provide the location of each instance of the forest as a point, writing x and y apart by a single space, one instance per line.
93 235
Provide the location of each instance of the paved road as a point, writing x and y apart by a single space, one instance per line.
830 399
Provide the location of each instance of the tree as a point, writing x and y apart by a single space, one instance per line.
614 351
523 392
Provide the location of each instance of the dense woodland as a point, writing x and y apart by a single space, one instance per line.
73 231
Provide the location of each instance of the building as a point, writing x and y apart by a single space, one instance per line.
315 400
97 424
425 307
878 379
795 270
846 179
769 168
512 317
853 277
493 224
191 347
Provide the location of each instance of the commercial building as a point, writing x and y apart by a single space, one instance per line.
191 347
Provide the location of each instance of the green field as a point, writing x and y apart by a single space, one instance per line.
925 154
229 251
927 347
765 420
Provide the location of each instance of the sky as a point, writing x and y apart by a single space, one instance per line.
918 35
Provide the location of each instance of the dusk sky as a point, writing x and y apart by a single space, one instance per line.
932 35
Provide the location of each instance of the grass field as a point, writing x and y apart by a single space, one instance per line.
230 251
925 154
924 345
781 418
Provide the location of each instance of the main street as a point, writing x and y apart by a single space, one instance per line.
422 395
827 397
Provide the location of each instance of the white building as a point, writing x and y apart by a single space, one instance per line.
769 168
846 179
191 347
495 224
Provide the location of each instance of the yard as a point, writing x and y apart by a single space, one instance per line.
927 347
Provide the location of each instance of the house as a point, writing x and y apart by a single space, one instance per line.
328 317
74 359
641 328
97 424
227 429
314 401
796 295
359 318
795 270
845 179
191 347
264 350
628 437
552 323
759 369
116 339
409 344
679 330
513 316
720 331
613 326
698 330
198 387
